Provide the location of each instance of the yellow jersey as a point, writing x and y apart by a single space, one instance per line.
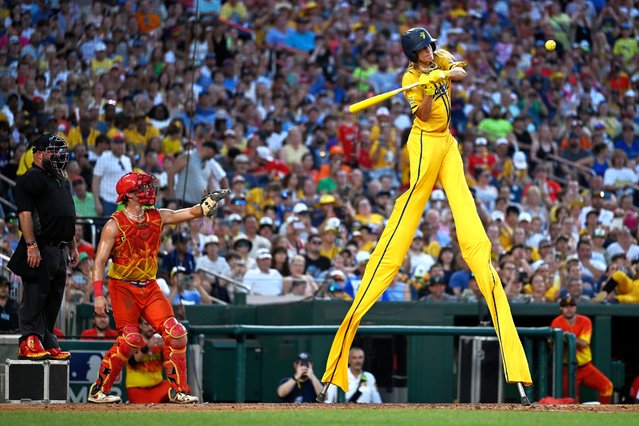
439 118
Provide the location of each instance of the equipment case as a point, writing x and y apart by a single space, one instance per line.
480 371
36 381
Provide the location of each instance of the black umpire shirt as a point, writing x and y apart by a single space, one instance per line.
50 202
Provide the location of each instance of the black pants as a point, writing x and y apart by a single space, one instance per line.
42 296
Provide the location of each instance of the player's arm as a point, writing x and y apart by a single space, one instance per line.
102 254
173 217
207 207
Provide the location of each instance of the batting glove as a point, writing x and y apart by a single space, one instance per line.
211 201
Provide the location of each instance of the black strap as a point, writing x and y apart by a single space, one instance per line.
355 396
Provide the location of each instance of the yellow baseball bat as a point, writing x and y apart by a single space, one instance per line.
367 103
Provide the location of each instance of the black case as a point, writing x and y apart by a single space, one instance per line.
36 381
480 371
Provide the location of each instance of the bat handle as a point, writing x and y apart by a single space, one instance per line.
321 397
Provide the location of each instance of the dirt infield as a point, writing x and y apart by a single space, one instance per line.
281 407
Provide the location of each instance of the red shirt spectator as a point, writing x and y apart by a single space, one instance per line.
100 329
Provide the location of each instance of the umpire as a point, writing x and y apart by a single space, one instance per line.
47 222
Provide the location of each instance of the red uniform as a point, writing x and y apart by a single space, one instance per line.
587 373
144 381
134 292
92 334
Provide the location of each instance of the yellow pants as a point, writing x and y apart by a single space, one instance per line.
432 157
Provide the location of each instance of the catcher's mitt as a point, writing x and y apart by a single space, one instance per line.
211 201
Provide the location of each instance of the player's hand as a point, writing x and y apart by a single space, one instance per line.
100 306
438 76
73 257
33 257
210 202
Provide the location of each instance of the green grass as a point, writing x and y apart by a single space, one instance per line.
323 417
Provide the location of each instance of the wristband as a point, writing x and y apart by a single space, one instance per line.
97 288
33 243
32 246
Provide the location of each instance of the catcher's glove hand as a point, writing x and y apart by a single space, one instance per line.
211 201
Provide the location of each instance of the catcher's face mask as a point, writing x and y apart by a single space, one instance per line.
58 152
145 190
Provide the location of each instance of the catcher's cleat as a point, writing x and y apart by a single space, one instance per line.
31 349
96 396
211 201
181 397
58 354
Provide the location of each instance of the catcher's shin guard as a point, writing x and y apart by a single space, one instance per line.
175 340
116 358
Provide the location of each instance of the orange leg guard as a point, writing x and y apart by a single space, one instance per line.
129 341
174 335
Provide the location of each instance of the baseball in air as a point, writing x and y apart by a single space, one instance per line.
550 45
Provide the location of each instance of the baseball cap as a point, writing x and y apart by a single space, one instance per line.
501 141
567 301
327 199
266 221
338 275
211 239
481 141
14 39
239 178
241 158
332 224
525 217
300 208
83 256
263 253
235 218
519 160
544 243
177 269
362 256
497 215
599 232
303 357
418 234
264 153
382 111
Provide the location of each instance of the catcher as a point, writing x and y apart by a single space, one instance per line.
434 156
131 239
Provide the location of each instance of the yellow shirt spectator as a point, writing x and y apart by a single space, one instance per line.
172 145
75 137
233 10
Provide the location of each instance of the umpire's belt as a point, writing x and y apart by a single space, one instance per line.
53 243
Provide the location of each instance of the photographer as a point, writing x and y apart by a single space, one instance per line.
186 289
303 385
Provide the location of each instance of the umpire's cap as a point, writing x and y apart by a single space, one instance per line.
415 40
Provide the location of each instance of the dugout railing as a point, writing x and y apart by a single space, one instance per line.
544 347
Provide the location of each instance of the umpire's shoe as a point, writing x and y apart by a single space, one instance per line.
181 397
96 396
31 349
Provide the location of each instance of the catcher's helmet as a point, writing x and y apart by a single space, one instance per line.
416 39
140 183
56 146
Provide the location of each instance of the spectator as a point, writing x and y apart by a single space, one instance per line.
144 381
181 255
185 288
9 308
264 280
82 199
298 283
437 291
100 329
581 327
316 263
362 386
303 385
110 167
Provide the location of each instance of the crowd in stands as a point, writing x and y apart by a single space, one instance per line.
251 95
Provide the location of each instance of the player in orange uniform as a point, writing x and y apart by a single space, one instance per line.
144 381
434 155
581 327
131 238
